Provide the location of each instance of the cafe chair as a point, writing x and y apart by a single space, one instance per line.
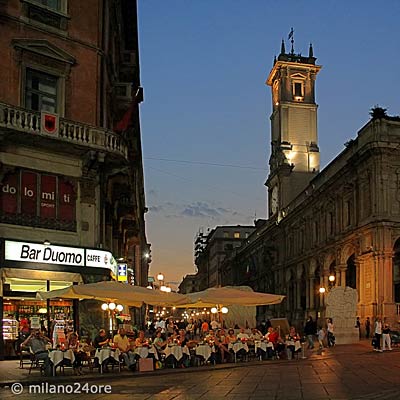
24 357
36 363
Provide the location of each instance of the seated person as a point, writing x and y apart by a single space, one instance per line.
290 342
222 346
210 337
182 339
256 335
37 343
231 338
243 335
73 344
172 338
272 336
101 339
141 340
122 343
159 342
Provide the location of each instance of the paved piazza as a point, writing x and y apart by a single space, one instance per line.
341 374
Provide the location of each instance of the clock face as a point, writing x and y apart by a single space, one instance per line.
274 200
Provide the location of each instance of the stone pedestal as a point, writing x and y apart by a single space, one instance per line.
341 306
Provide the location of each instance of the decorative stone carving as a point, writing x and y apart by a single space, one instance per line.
341 306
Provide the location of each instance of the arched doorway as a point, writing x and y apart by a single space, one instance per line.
351 272
396 271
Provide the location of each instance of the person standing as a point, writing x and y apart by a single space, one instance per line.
378 334
367 327
386 341
358 326
309 331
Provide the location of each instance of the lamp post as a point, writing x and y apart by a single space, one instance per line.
111 308
323 290
220 310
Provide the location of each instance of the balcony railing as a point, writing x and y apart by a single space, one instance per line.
23 120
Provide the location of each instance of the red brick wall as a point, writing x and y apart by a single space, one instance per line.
83 32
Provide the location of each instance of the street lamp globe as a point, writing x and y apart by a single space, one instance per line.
322 290
331 278
163 288
104 306
120 307
224 310
112 306
214 310
168 289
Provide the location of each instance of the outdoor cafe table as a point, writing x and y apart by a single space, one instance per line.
296 344
237 346
105 353
176 351
144 351
205 351
58 356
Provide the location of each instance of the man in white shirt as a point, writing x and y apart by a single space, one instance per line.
122 342
243 334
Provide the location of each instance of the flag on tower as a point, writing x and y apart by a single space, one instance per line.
291 34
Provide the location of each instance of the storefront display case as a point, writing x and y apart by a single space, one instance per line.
10 329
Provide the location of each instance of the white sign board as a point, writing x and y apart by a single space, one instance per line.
40 253
100 259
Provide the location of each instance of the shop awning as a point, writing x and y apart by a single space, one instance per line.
119 292
23 273
231 295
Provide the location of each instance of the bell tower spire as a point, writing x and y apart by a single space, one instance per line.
294 159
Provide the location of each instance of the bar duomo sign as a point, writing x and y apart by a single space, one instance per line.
49 254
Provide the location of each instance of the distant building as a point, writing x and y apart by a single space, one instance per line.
189 284
212 249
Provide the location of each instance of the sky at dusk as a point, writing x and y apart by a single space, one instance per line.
203 69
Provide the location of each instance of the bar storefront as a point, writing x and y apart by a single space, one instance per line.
27 268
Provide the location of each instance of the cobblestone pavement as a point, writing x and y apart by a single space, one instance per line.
346 372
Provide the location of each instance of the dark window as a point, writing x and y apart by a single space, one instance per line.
298 92
40 91
54 4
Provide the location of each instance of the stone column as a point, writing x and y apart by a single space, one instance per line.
311 293
343 269
298 294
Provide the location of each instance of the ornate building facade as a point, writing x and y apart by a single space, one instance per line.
71 173
343 221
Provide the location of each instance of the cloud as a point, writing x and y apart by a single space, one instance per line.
203 210
196 209
156 209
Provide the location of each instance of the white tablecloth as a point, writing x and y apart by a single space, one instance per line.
238 346
143 352
261 345
57 356
105 353
176 351
296 344
204 350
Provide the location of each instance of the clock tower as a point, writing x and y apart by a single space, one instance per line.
294 159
